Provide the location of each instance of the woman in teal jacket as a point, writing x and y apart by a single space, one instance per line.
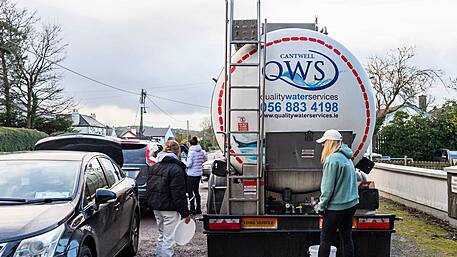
339 194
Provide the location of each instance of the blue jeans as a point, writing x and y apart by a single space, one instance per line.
340 221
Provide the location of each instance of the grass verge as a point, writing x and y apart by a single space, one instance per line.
436 237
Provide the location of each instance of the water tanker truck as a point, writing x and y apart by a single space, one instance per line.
284 85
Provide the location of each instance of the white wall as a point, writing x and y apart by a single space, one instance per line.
169 134
422 186
91 130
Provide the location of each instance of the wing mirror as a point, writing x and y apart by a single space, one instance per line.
103 195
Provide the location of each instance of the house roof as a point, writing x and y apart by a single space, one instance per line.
401 107
88 121
155 132
130 132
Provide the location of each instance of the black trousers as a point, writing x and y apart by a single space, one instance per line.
193 190
340 221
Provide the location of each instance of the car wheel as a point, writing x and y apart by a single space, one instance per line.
85 252
132 247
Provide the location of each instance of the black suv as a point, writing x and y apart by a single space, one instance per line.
139 156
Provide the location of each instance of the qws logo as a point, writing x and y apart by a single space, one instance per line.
311 70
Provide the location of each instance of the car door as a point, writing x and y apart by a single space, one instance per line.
99 219
125 205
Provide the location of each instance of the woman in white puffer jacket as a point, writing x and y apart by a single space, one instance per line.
195 159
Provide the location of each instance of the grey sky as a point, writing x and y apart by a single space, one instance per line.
173 48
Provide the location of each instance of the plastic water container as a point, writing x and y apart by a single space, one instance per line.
184 232
314 250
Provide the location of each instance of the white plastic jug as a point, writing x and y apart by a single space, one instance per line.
314 250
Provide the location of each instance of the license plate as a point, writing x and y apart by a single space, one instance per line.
259 223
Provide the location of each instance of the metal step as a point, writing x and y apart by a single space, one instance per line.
244 199
244 87
244 132
244 110
244 177
243 154
238 132
246 42
245 64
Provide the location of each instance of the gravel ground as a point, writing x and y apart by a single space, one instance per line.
148 235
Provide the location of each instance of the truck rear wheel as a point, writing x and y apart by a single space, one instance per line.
216 191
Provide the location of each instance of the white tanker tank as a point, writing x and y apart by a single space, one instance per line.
313 83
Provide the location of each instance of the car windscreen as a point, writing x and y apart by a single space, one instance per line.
134 154
35 179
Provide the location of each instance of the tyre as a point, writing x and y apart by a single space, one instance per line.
132 247
85 251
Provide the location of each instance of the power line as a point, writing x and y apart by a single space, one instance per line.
163 111
158 87
80 74
181 102
179 85
108 85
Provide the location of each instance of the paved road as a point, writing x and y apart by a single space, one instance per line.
197 248
148 235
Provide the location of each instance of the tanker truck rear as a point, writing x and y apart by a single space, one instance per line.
277 94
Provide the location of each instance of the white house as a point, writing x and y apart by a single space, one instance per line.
159 135
88 124
410 109
129 134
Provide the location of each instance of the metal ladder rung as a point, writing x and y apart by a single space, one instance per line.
246 42
219 187
239 132
243 154
244 177
244 199
245 64
244 132
244 87
244 110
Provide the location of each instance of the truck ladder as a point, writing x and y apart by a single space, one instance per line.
259 43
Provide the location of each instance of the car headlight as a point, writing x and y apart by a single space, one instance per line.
43 245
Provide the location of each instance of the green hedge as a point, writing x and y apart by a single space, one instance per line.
19 139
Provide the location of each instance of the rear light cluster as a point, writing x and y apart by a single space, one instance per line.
366 185
371 223
224 224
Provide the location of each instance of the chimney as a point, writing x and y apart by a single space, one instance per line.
75 117
423 103
93 116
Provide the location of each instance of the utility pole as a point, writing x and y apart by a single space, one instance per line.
142 111
188 133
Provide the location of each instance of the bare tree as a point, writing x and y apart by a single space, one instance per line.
397 81
15 27
453 83
38 90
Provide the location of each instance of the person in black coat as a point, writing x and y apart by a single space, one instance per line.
167 196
